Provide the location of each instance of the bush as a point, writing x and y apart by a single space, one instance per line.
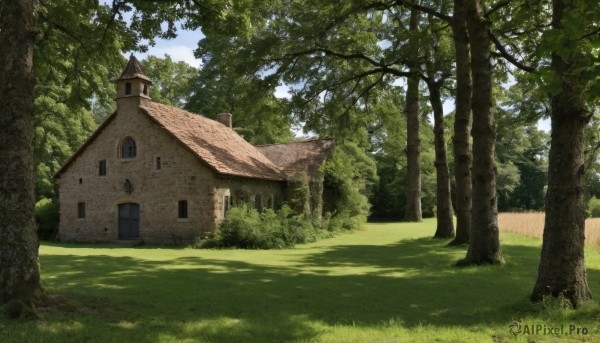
248 228
593 208
46 217
341 222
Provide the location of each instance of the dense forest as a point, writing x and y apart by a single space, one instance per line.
434 106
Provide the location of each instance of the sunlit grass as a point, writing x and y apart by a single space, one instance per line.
387 283
531 224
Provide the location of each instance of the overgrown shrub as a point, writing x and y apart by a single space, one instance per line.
349 175
247 228
47 216
341 222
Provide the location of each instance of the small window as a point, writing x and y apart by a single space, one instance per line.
129 148
102 168
80 210
145 89
183 209
128 88
270 202
158 163
80 181
225 206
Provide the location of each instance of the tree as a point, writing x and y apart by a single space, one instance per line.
571 80
172 81
462 126
224 84
413 142
437 67
484 246
20 284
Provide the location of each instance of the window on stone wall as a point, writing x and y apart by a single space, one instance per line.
158 163
102 168
183 209
80 210
270 201
225 206
128 148
128 88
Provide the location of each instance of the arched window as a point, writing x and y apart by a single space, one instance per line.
128 148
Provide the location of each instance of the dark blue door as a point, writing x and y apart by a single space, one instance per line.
129 221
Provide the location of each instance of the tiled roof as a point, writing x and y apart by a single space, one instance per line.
133 69
214 143
298 156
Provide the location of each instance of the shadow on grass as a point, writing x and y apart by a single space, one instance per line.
409 284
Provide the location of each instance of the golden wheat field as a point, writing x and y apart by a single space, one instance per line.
532 224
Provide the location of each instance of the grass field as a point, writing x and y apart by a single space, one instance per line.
386 283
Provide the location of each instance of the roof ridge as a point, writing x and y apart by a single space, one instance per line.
293 142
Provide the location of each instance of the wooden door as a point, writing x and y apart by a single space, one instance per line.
129 221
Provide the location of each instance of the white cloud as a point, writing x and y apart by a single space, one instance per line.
177 53
283 92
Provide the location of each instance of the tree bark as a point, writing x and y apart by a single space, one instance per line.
561 271
413 141
484 247
20 285
462 127
445 223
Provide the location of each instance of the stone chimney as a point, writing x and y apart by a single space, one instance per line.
225 119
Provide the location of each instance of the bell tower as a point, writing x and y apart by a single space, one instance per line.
133 86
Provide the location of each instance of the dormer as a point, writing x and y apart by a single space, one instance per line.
133 86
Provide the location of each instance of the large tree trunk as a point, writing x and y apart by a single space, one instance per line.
20 284
445 224
484 245
413 141
562 269
462 127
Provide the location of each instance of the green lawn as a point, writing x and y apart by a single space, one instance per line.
386 283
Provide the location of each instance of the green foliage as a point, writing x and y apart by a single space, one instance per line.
521 148
247 228
47 216
171 80
593 208
341 221
299 193
349 174
389 150
551 304
229 82
59 131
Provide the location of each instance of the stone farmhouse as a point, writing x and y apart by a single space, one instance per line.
157 173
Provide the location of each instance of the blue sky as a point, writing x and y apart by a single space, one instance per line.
180 49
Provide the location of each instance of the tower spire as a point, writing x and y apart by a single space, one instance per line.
133 86
134 70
